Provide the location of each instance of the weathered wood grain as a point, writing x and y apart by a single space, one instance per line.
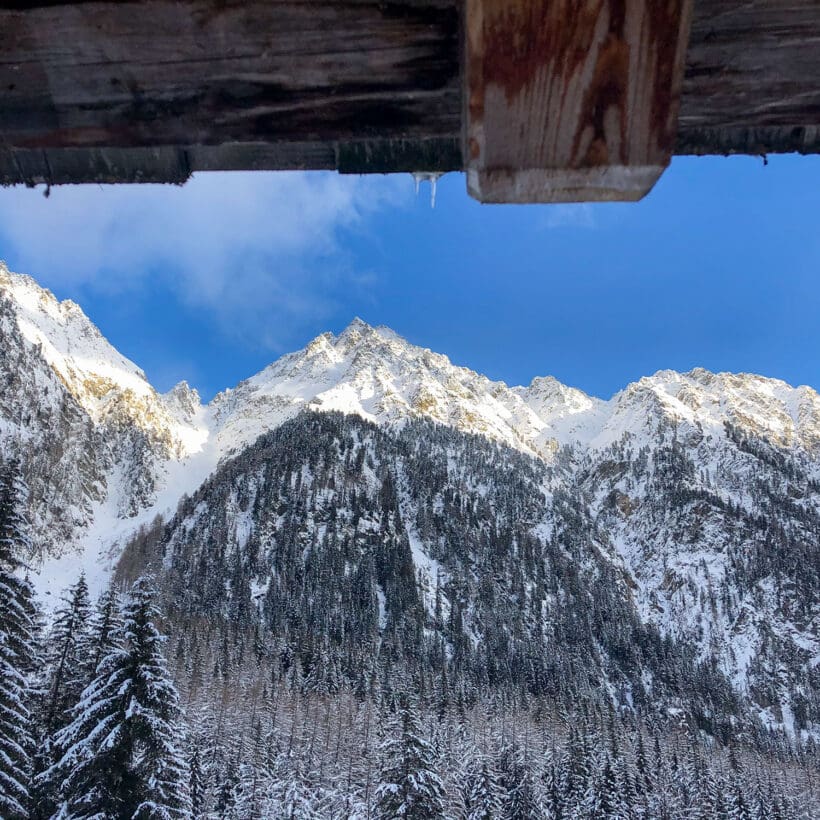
752 82
571 100
129 91
201 72
68 165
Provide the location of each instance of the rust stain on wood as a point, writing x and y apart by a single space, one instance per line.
572 85
607 92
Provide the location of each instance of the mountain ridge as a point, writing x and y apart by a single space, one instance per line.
361 346
688 480
375 373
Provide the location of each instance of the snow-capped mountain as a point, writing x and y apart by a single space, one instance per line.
374 373
701 490
102 381
88 428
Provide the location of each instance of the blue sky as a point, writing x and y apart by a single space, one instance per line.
719 267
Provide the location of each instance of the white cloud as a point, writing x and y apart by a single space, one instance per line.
259 250
575 215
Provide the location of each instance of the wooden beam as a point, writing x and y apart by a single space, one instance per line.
104 91
571 100
752 83
214 72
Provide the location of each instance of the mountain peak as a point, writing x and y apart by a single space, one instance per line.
70 342
358 330
357 325
183 396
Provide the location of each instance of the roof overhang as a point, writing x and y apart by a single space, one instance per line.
538 100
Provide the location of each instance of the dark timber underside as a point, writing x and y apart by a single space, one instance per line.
153 91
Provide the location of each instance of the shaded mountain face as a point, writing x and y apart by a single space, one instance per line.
428 552
449 511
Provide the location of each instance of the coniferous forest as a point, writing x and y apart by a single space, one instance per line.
276 651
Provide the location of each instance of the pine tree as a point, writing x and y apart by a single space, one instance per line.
739 807
106 627
296 803
607 801
409 786
196 783
553 796
249 792
18 619
228 791
121 756
483 800
68 657
520 801
68 670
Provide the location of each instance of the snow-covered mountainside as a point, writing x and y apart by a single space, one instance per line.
701 490
376 374
86 425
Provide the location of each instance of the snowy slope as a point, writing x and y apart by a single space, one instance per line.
96 442
706 485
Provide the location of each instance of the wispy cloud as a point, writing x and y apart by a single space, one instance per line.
579 215
260 251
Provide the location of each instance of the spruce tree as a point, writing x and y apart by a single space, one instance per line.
68 670
228 791
483 798
120 752
409 786
606 800
296 803
520 800
196 783
106 627
553 792
68 656
18 654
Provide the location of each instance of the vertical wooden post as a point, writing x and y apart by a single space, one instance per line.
571 100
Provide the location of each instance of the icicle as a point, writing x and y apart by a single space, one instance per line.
427 176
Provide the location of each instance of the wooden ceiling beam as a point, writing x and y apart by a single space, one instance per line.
571 100
127 91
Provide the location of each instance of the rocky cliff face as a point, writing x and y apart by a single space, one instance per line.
85 424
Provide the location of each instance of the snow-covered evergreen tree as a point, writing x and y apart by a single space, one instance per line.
18 651
68 670
121 756
296 803
483 801
196 782
520 801
409 786
68 655
106 627
604 799
227 791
